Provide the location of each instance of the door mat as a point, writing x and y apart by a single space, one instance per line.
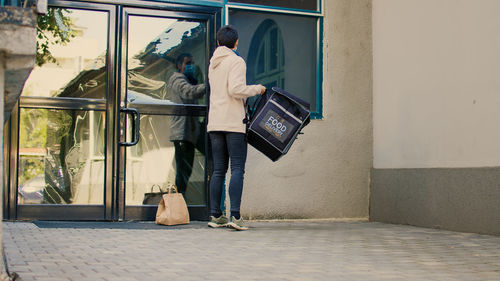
116 225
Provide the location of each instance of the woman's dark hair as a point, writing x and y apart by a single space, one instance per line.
227 36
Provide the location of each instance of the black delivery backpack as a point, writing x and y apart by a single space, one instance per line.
275 121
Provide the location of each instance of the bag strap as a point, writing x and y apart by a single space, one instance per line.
159 188
171 187
250 109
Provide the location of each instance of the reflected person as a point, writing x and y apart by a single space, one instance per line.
185 131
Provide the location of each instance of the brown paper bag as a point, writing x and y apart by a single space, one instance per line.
172 209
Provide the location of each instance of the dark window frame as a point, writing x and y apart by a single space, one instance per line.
319 5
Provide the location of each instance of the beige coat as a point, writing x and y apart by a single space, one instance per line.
228 91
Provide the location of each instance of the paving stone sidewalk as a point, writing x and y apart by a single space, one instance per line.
290 250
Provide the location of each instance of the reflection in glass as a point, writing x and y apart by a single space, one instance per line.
61 157
152 162
166 65
267 65
280 50
275 50
79 69
157 52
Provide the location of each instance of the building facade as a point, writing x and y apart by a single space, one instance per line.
95 127
403 96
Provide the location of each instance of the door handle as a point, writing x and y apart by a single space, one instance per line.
135 126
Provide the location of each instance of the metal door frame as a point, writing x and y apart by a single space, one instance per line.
113 208
199 212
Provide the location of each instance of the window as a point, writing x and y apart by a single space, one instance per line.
281 50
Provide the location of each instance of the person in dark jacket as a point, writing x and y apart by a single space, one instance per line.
185 131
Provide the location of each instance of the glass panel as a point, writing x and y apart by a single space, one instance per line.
171 149
294 4
274 52
261 62
291 40
61 157
75 62
166 61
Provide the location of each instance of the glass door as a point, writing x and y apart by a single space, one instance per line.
164 78
60 129
115 109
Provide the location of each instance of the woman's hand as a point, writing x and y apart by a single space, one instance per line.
262 89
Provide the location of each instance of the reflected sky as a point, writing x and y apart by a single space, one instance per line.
90 43
91 27
143 32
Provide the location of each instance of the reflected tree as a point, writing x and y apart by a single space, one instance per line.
32 134
53 28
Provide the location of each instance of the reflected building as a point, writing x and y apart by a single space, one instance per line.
69 168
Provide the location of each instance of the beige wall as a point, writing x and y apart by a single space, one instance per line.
436 83
326 172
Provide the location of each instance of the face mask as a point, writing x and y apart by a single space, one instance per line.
189 70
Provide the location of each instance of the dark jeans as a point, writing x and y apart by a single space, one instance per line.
227 147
